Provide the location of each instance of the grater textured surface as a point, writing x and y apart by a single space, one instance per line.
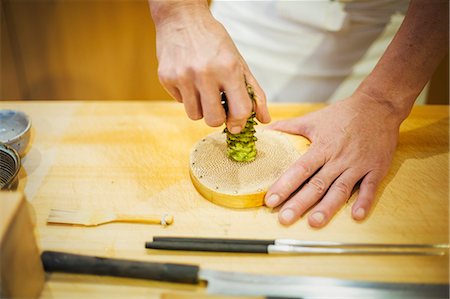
214 170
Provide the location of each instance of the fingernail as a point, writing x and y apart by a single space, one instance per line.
265 119
272 201
287 215
235 130
318 217
360 213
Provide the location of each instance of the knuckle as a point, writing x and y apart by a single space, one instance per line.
261 97
373 179
303 167
165 78
241 114
300 205
342 187
371 184
318 184
182 76
214 122
229 63
203 71
286 189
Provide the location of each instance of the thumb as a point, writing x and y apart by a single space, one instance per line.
260 104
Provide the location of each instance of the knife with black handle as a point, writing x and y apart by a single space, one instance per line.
237 283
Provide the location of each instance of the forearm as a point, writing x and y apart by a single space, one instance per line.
411 58
167 10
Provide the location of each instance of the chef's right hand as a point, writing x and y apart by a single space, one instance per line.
198 60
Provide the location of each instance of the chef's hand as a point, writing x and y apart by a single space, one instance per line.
352 140
198 60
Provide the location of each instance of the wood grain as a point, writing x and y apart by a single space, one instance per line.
21 271
130 156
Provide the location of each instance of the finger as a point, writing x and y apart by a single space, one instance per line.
174 93
239 105
212 108
334 199
297 125
366 196
294 176
189 95
192 104
260 105
169 82
312 192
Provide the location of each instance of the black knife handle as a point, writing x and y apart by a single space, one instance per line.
214 240
212 247
73 263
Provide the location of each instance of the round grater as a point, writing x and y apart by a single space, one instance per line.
239 184
9 167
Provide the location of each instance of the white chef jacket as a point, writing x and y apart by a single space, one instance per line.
302 51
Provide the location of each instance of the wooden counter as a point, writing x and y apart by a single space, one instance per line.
131 156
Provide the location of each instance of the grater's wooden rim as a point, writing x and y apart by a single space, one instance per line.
238 201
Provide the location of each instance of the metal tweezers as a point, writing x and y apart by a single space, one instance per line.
292 246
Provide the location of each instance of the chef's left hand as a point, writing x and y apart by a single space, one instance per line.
352 140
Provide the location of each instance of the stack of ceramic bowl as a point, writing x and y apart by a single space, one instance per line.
15 128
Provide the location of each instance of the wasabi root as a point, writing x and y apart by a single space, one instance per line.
241 147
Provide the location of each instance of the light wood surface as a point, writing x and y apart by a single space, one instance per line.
133 156
21 271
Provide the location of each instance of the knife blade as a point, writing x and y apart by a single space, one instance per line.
234 283
243 284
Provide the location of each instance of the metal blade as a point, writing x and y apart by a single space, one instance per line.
245 284
291 249
295 242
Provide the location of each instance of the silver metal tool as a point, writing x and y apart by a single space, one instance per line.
245 284
242 284
292 246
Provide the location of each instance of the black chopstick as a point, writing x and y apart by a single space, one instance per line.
214 240
211 247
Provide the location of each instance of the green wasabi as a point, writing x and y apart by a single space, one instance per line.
241 147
